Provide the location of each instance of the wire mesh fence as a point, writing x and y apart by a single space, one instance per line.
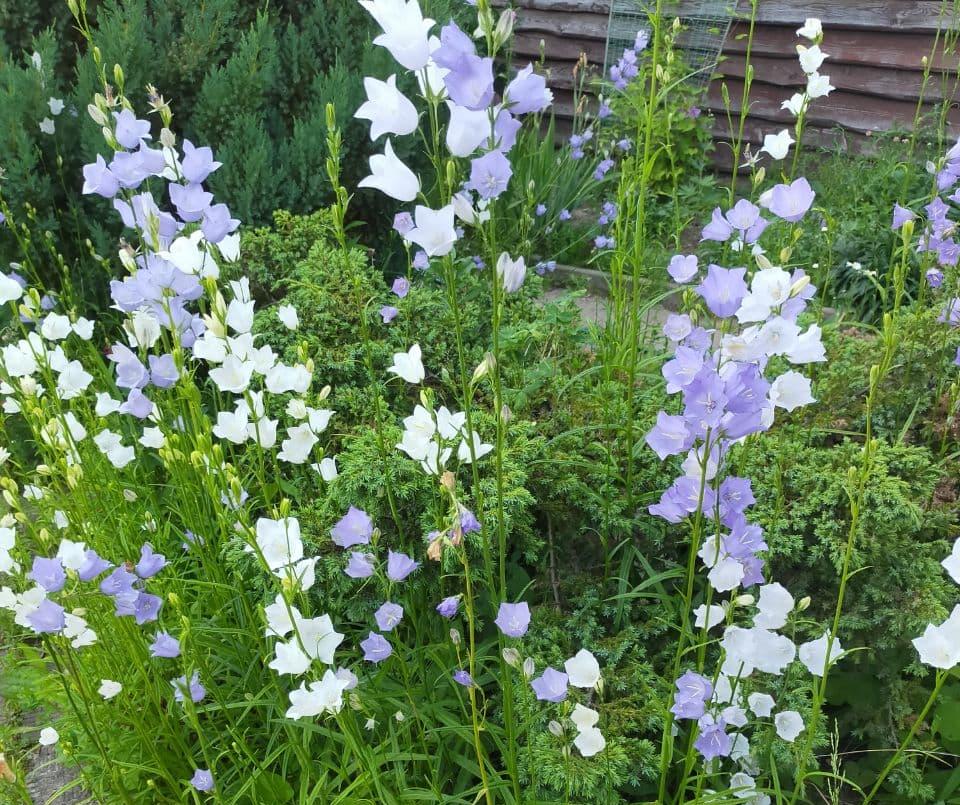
705 27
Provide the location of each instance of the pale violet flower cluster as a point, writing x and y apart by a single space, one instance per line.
726 396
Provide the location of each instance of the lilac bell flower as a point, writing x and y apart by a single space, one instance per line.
513 619
98 179
603 169
92 566
693 693
401 287
388 616
683 268
165 646
713 740
137 404
217 223
470 84
462 677
196 691
791 201
468 522
449 606
191 200
564 215
420 260
399 566
354 528
197 163
129 130
723 289
202 780
403 223
150 563
117 583
47 618
527 92
360 565
376 648
48 573
550 686
388 313
146 608
163 370
490 174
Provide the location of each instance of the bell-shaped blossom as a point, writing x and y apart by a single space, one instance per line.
713 740
819 86
814 653
952 563
791 390
723 289
399 566
391 176
278 541
354 528
408 365
550 686
527 92
322 696
811 29
683 268
376 648
789 201
511 272
513 619
435 231
590 741
583 670
773 607
939 645
788 724
777 145
467 130
388 110
490 174
405 31
388 615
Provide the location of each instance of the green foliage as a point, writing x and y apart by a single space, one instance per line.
249 78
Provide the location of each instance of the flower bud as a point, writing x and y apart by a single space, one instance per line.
745 600
167 138
529 667
804 603
556 729
799 285
455 637
511 657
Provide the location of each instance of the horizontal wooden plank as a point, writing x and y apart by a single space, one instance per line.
527 45
880 15
854 111
580 6
869 79
561 75
881 48
563 23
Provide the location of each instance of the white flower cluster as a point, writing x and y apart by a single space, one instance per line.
939 645
818 86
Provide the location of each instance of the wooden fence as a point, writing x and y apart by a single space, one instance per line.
876 48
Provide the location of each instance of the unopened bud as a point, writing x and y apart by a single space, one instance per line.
455 637
529 667
804 604
556 729
511 657
745 600
799 285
